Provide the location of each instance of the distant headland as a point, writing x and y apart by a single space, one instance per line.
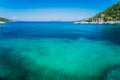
109 16
4 20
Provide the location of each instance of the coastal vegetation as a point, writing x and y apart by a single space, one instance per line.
5 20
110 14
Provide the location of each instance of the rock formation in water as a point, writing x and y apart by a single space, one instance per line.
112 73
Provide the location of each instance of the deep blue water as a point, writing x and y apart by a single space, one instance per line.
68 30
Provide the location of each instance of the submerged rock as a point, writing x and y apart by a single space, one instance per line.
112 73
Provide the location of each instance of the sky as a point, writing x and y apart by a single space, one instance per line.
52 10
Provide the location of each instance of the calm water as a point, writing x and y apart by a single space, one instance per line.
59 51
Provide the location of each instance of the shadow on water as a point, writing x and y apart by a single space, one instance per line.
12 65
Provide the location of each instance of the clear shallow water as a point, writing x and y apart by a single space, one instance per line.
59 51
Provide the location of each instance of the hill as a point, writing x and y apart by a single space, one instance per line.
5 20
110 14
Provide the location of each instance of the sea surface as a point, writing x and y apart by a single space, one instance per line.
59 51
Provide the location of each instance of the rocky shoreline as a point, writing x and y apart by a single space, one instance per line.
108 22
1 22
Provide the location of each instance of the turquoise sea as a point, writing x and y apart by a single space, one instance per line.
59 51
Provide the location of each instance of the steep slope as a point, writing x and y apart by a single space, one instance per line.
110 14
4 19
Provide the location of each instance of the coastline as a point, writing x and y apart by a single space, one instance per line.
108 22
1 22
